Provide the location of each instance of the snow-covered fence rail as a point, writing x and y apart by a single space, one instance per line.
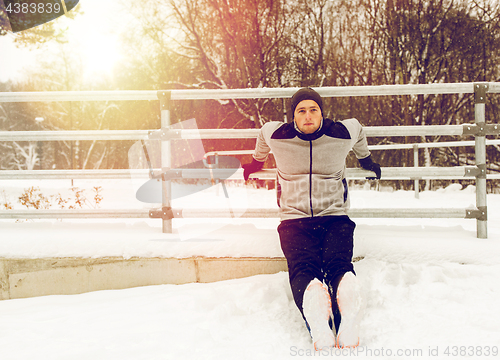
479 130
374 131
390 173
249 213
257 93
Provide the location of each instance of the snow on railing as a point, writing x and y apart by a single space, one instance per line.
256 93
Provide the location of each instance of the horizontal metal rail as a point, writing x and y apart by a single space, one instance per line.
221 213
74 214
356 213
48 96
388 173
326 91
109 135
395 173
441 144
375 131
66 135
72 174
370 131
257 93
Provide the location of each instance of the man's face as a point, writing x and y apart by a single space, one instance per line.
308 116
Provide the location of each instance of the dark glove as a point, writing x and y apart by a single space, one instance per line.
368 164
254 166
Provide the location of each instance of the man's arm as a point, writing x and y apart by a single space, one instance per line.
362 153
262 149
360 147
260 155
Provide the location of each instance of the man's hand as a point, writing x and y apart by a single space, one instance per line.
368 164
252 167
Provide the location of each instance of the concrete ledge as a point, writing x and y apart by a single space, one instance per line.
23 278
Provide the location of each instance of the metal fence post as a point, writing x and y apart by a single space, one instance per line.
415 164
166 156
480 90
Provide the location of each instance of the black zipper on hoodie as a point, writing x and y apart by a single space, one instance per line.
310 176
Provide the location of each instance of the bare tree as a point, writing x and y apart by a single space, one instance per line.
437 41
26 156
225 44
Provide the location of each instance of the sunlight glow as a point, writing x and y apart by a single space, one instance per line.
99 54
95 37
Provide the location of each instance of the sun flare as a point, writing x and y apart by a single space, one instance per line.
99 55
95 38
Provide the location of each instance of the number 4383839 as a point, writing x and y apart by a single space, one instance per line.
33 8
471 351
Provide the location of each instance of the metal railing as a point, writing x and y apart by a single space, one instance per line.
388 173
221 94
166 134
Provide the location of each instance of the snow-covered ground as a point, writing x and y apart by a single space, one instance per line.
430 286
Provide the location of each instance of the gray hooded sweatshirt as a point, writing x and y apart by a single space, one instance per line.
311 167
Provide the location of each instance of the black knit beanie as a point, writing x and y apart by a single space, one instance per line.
306 94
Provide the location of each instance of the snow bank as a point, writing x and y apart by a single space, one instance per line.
430 289
411 311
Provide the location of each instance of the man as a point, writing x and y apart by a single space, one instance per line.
315 232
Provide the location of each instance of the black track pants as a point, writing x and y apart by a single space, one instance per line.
318 247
